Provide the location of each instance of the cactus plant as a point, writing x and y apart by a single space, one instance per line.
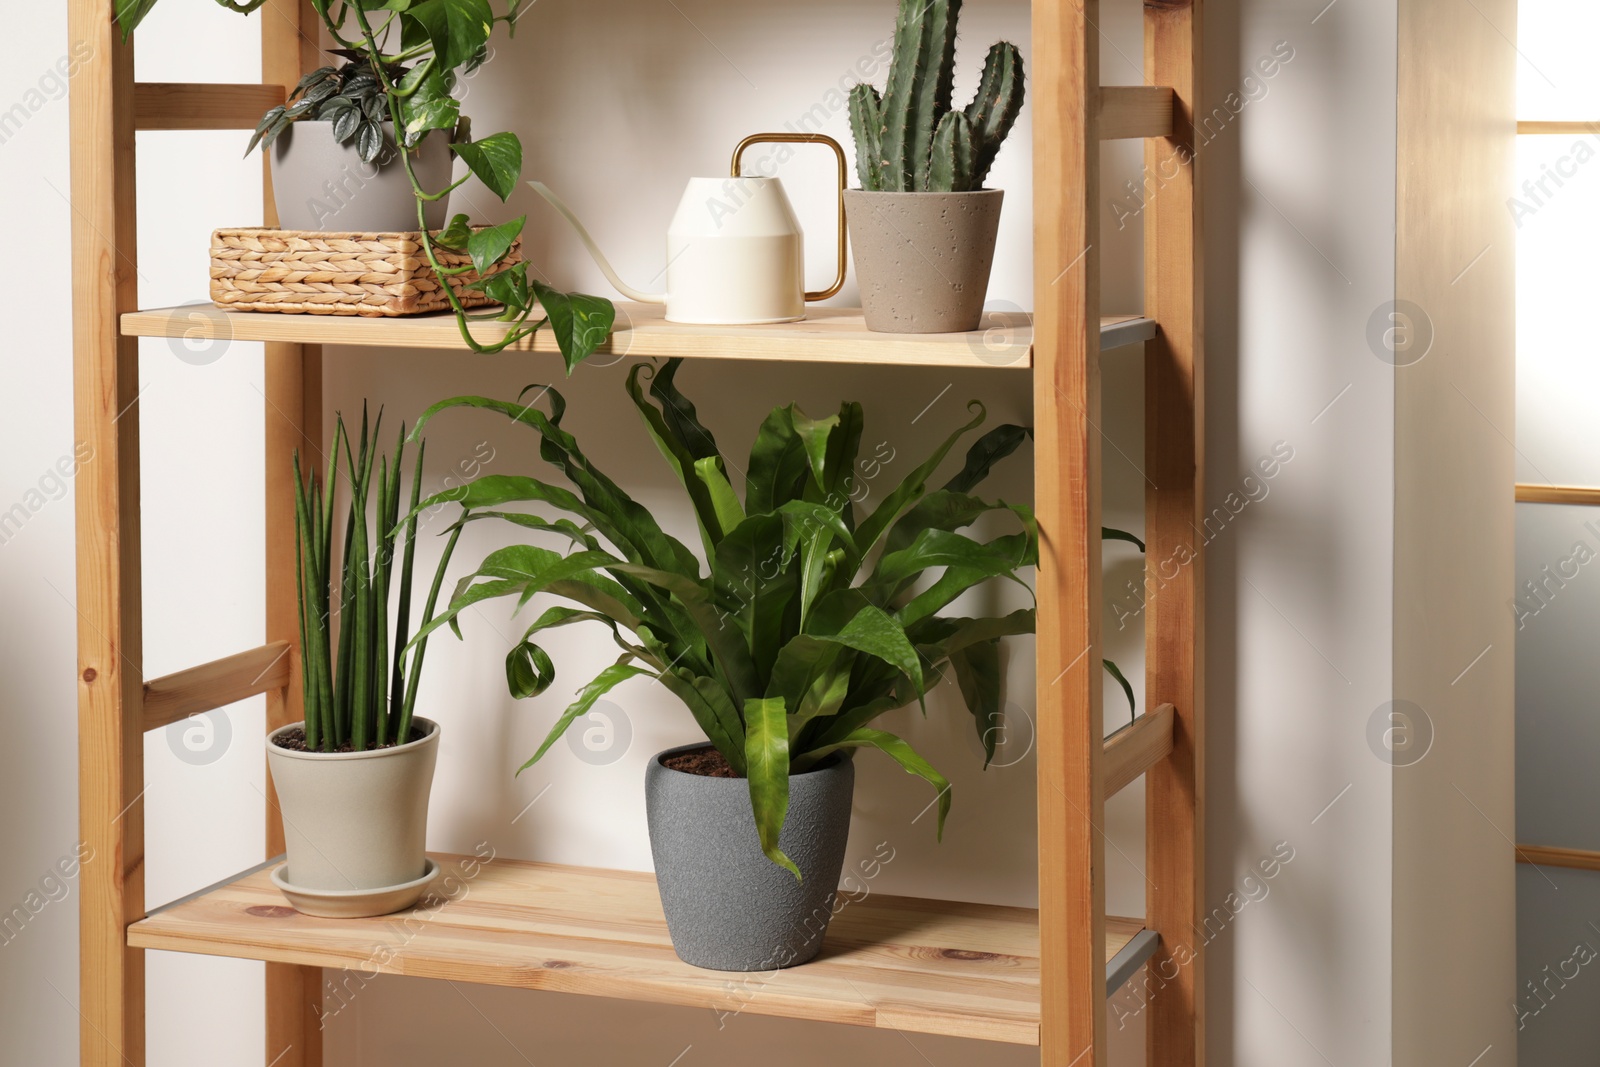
908 137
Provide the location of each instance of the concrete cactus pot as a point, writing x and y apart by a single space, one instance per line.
320 184
922 259
355 823
728 907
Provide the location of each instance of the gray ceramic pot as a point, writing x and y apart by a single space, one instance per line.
320 184
922 259
355 821
729 908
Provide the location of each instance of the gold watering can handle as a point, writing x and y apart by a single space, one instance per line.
807 138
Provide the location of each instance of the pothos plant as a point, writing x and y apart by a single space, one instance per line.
402 61
813 615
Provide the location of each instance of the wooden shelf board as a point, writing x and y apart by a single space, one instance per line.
928 966
1119 330
826 335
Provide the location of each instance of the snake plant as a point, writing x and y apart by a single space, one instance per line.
816 611
356 697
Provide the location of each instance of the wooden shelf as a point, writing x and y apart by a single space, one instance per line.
928 966
827 335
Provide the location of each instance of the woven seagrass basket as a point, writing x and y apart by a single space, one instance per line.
300 272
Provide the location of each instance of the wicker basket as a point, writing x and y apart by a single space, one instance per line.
298 272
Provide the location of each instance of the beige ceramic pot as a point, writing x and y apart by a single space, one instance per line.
320 184
922 259
355 822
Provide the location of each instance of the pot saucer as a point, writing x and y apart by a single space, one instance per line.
354 903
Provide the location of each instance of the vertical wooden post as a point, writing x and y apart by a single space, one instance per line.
1174 537
293 422
110 639
1066 399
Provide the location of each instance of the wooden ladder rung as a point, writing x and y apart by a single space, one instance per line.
1136 748
215 685
1135 111
1578 128
1577 859
200 106
1557 494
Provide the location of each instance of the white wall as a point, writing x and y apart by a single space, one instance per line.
1299 233
37 770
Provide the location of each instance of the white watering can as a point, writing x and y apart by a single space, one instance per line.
735 251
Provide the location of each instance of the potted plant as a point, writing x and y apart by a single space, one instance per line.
353 778
922 226
366 146
812 619
336 159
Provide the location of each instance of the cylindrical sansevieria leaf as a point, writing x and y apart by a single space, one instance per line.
402 636
357 691
303 560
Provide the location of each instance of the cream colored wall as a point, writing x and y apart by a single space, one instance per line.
1454 811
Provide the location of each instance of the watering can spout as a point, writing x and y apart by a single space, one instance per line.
594 250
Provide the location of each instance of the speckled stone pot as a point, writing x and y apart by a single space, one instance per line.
729 908
320 184
922 259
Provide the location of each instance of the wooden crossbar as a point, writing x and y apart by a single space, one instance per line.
1557 494
198 106
1137 747
1577 859
1135 111
1571 129
216 684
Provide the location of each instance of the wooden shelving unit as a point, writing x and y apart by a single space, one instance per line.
1002 974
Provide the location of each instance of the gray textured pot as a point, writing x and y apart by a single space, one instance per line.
355 820
922 259
320 184
729 908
